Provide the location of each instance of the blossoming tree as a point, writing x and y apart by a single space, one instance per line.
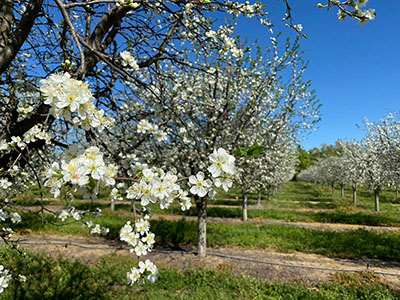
70 72
354 164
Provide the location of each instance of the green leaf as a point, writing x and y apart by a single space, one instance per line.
241 151
255 150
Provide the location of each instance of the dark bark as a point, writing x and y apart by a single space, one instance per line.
6 22
15 41
18 129
355 195
376 194
109 19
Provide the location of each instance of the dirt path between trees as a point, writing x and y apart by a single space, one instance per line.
90 249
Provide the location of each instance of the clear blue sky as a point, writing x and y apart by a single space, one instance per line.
355 70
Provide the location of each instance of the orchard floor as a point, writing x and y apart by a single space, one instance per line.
91 249
299 215
254 221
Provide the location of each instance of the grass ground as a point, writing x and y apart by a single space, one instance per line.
49 278
296 202
294 196
342 244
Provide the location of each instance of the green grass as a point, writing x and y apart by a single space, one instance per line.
62 279
343 244
337 216
344 215
351 244
302 191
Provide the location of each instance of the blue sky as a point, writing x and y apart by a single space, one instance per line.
355 70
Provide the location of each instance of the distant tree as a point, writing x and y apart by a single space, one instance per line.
304 159
354 159
382 147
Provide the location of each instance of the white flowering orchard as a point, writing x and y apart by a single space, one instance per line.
374 161
137 97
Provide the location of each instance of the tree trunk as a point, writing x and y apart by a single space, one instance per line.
397 192
269 194
201 204
11 43
275 190
259 197
112 205
342 190
376 192
355 195
333 188
244 205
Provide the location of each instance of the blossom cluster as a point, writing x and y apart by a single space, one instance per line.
12 179
145 126
97 229
222 169
64 214
83 169
5 277
157 186
72 100
223 34
132 3
354 9
141 240
32 135
77 215
247 9
14 217
36 133
146 271
4 185
24 110
129 61
154 185
138 236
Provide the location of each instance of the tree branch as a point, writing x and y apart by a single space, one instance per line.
10 50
